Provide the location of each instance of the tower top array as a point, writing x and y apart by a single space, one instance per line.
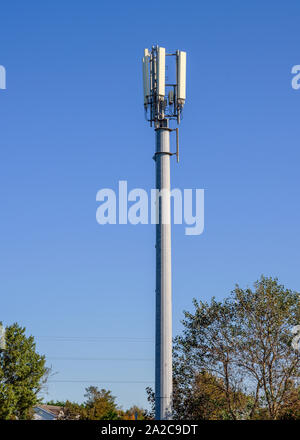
163 100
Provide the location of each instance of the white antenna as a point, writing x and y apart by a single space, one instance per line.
181 76
161 71
146 77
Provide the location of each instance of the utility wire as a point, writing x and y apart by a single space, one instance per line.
101 381
98 359
95 338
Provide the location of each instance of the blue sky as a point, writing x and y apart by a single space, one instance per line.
72 122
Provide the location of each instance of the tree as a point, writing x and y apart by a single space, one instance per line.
22 374
204 399
206 346
133 413
207 399
245 343
265 318
61 403
71 411
100 405
291 408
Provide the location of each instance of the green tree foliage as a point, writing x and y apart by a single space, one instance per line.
204 399
22 374
291 409
235 356
56 403
133 413
207 398
71 411
99 405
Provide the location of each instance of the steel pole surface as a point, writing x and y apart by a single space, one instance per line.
163 355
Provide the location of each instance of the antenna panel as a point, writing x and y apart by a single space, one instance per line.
161 71
181 75
146 78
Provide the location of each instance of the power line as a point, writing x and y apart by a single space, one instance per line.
99 359
95 338
100 381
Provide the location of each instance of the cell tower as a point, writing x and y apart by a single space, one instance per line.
163 102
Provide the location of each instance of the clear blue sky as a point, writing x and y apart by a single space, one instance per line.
72 122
